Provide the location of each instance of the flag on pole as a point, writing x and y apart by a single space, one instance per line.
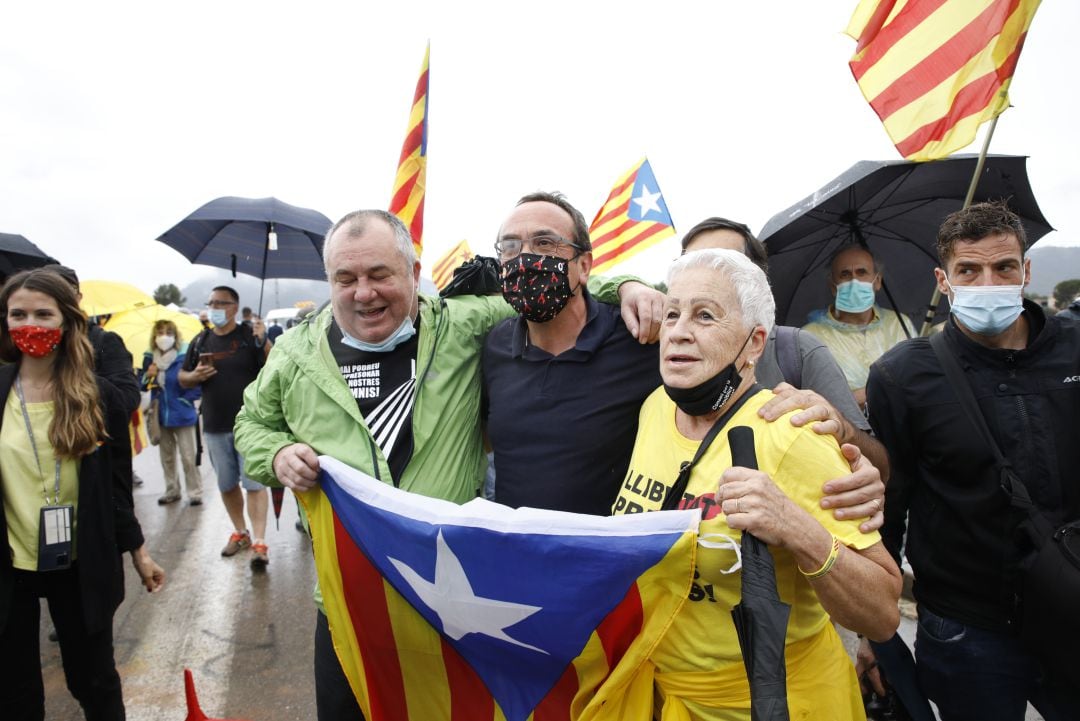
407 202
443 271
934 70
482 612
634 217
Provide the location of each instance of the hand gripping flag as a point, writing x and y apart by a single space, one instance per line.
634 217
407 202
443 271
440 612
934 70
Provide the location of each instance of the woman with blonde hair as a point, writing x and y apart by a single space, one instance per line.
176 411
67 515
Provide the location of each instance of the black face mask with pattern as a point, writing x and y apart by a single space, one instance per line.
536 286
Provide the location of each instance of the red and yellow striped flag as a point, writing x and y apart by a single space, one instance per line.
934 70
634 217
407 202
443 271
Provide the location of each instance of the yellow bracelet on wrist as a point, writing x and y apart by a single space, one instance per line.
834 554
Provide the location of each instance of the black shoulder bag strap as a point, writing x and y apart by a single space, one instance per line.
1009 481
675 493
789 355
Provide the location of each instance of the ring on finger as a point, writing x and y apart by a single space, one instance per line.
737 506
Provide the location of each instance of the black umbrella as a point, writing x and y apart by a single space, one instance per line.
17 253
263 237
760 617
894 208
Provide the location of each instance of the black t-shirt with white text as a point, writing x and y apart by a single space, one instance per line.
384 386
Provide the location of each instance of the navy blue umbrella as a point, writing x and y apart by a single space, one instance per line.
263 237
17 253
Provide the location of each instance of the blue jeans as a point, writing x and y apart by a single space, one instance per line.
972 673
228 464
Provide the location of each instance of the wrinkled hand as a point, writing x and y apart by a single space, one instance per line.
151 574
297 467
752 502
866 667
642 308
861 494
812 407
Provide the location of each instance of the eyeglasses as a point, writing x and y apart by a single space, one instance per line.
541 245
220 303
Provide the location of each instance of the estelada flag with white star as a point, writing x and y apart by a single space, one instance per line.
443 270
633 218
479 612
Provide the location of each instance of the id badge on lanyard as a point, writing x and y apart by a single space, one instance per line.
54 524
54 537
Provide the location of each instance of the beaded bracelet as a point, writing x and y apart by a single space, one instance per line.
829 562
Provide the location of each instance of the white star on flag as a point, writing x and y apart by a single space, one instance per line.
648 201
460 610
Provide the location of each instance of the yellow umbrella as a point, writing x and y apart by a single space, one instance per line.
102 297
134 327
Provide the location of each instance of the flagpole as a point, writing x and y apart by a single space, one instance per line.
935 299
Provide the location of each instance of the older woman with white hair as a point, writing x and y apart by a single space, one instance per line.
718 313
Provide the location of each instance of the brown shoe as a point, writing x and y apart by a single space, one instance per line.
237 541
259 559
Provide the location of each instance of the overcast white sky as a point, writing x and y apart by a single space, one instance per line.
117 119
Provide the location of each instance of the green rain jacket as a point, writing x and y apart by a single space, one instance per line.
300 397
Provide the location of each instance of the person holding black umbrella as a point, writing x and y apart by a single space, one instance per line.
717 315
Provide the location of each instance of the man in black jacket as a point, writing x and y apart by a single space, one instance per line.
944 489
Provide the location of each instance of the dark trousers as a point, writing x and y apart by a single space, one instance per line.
334 699
87 657
972 673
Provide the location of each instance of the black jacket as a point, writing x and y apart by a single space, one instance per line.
960 529
106 526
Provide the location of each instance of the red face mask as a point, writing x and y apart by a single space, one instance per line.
35 341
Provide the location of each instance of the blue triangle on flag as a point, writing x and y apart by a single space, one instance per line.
646 201
507 569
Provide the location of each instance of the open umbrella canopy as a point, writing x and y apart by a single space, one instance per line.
105 297
263 237
894 208
17 253
134 326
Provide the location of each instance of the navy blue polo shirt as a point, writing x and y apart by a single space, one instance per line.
562 427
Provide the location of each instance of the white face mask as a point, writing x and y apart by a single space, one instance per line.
986 309
404 332
165 342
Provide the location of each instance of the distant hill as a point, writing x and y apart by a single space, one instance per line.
1051 264
277 293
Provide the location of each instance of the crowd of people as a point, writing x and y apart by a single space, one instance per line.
598 396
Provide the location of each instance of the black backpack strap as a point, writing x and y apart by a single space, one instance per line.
789 355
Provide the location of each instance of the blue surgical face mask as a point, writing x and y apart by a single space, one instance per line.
854 296
404 332
217 317
986 309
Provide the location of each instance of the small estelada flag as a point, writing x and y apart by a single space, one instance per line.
934 70
634 217
443 271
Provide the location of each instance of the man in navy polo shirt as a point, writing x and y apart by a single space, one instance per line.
563 381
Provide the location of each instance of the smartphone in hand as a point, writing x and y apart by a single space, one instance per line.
206 359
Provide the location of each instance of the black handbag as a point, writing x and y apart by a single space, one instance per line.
1048 592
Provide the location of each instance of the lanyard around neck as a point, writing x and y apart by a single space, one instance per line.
33 445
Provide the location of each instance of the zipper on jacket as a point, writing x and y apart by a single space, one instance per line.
375 460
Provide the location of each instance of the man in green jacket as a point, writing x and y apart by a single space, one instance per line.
386 380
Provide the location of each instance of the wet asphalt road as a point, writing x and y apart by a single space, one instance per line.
246 635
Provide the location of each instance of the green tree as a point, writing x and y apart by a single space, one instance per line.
1065 291
168 293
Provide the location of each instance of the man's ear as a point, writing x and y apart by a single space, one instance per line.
1027 272
939 276
585 266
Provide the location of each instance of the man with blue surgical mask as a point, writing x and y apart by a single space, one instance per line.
945 489
856 330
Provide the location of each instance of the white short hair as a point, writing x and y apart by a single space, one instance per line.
751 286
355 224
